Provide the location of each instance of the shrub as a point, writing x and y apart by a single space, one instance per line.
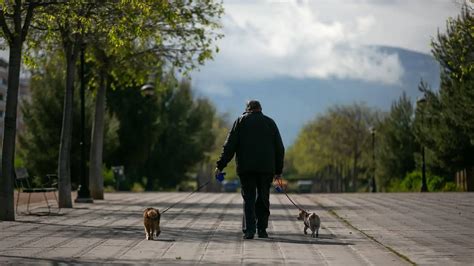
411 182
435 183
137 187
109 179
395 185
109 189
450 186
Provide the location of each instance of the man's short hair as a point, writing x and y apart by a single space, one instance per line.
253 105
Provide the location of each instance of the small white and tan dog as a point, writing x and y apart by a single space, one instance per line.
311 221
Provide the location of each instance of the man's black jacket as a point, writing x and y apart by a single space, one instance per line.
256 141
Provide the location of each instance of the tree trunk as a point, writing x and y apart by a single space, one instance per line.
149 184
8 150
97 142
64 161
355 173
470 178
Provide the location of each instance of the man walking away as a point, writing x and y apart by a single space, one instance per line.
256 141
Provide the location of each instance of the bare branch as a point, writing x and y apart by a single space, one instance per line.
41 3
3 24
42 28
27 22
165 51
17 19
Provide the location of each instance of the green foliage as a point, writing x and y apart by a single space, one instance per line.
185 138
138 130
108 174
162 137
334 144
412 182
137 187
19 162
444 121
335 148
127 40
435 183
39 142
450 187
395 143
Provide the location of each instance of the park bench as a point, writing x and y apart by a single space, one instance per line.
23 185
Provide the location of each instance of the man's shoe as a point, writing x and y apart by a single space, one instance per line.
262 233
248 236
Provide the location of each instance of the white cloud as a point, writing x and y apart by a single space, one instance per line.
322 39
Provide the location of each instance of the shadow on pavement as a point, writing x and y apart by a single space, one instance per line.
309 241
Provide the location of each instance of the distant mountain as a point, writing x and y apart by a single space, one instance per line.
293 102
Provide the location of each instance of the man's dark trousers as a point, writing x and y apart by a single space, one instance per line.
256 194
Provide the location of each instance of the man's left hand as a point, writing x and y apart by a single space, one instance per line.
217 171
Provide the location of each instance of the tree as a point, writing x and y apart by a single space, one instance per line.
453 50
187 135
396 143
355 122
335 146
15 19
42 118
140 127
163 137
445 120
129 36
65 24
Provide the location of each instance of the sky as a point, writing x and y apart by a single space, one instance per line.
265 39
322 39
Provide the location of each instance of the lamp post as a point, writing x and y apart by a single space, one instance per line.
83 195
373 186
424 187
148 89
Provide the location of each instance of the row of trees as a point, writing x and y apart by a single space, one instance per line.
336 148
125 39
448 114
333 148
158 139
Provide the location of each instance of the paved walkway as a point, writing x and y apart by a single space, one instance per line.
357 229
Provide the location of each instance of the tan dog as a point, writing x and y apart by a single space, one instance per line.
151 220
311 221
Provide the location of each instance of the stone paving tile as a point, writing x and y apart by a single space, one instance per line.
427 228
357 229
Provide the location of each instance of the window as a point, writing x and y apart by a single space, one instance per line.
1 96
1 114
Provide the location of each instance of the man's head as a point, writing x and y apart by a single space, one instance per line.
253 106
